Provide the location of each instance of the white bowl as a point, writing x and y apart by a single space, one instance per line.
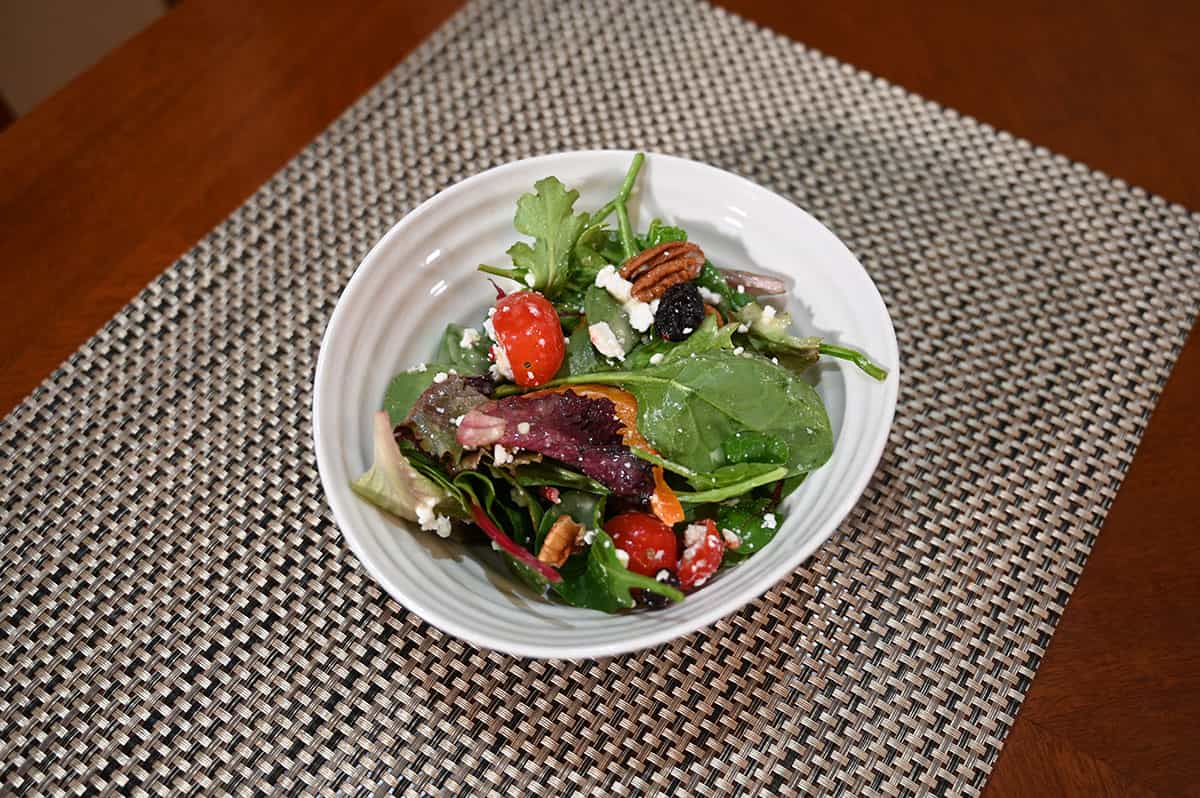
422 276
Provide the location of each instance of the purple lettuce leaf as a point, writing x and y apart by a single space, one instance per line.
581 432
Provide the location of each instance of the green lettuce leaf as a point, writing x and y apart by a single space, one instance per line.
392 484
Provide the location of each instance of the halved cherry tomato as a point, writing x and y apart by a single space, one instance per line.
703 549
663 501
528 328
650 543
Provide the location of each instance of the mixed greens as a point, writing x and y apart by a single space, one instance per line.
621 426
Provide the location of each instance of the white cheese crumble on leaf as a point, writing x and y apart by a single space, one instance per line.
605 341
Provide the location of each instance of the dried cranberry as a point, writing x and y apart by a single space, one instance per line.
680 312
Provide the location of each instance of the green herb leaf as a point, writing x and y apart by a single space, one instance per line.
404 390
660 233
547 216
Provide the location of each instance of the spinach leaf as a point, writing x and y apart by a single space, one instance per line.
707 337
748 520
604 583
689 407
748 446
581 357
470 359
600 307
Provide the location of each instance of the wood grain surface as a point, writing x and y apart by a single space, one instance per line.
108 182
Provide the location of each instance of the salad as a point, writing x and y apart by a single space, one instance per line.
623 424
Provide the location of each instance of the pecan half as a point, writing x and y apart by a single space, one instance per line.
658 268
560 541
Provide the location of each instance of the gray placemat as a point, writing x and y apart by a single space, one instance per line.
178 610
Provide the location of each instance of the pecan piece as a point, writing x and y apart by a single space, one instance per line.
560 541
658 268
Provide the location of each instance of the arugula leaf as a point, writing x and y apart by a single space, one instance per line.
604 583
546 215
689 407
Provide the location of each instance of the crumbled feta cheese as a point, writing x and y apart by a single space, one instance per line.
530 280
663 575
605 341
488 328
700 582
743 328
711 297
501 455
470 337
741 289
496 546
769 521
425 516
688 331
623 557
418 369
640 315
523 427
440 377
656 358
775 360
731 538
589 536
654 303
501 368
529 376
458 419
737 350
442 526
768 314
694 534
611 281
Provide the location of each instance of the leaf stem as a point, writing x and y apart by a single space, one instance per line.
729 491
856 357
622 193
663 463
499 272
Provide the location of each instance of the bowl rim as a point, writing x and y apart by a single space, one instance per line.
429 611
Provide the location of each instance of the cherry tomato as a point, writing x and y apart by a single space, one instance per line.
703 549
528 328
650 543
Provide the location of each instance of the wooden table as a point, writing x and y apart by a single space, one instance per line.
108 182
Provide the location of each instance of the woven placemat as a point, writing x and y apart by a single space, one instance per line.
178 610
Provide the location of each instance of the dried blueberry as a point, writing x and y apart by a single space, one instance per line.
655 601
680 312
